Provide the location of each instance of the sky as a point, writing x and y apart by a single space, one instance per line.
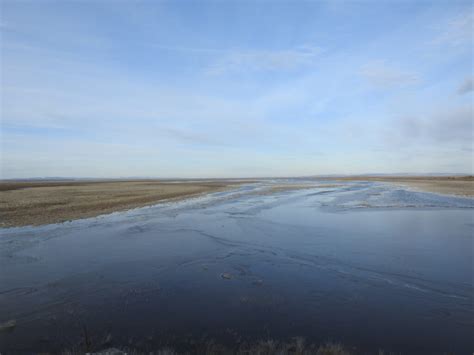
235 88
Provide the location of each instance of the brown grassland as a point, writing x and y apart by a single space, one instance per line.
36 203
450 185
25 203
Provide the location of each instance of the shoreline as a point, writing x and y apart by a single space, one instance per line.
461 186
41 203
35 203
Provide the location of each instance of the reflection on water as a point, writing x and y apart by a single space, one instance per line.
365 264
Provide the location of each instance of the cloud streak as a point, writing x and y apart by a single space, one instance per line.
449 126
466 86
457 30
265 60
382 75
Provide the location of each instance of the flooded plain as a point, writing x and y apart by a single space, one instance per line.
370 265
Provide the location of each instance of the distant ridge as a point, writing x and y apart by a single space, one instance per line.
321 176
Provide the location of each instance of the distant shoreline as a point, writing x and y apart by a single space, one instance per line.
34 203
448 185
24 203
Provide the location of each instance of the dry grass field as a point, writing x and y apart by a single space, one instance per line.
36 203
450 185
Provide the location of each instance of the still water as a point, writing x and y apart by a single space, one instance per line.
369 265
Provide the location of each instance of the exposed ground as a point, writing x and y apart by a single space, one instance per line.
450 185
292 187
43 202
36 203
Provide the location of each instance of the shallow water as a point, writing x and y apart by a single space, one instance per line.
366 264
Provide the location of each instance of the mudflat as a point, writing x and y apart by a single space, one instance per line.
25 203
45 202
450 185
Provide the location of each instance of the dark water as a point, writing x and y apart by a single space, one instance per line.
368 265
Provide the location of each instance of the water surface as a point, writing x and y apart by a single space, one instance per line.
366 264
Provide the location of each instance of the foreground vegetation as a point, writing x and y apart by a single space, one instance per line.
267 347
295 346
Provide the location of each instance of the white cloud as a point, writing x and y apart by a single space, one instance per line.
466 86
457 30
383 75
454 125
266 60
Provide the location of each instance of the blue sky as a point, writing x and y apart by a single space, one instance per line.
235 88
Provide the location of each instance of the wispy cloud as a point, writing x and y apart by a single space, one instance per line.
466 86
265 60
382 75
453 125
457 30
158 89
190 136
